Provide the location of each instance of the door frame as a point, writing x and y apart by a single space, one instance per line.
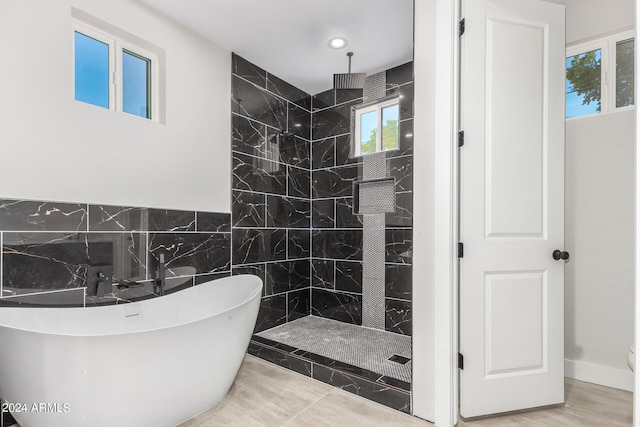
435 343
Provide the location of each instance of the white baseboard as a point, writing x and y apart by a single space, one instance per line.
599 374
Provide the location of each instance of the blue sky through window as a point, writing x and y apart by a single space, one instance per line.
91 70
574 106
135 85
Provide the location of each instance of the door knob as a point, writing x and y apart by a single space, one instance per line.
560 255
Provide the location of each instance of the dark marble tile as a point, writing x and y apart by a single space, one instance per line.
332 121
64 298
273 312
398 281
299 182
248 136
349 276
324 99
23 215
380 393
401 168
252 246
213 222
171 220
403 216
401 74
279 358
117 218
294 151
337 244
34 262
322 273
337 306
206 252
288 92
256 269
299 121
398 316
323 213
260 175
248 71
406 100
399 246
337 365
299 303
286 212
323 153
299 243
255 103
336 182
248 209
287 276
346 95
204 278
345 218
343 151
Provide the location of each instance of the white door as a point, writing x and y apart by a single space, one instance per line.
511 206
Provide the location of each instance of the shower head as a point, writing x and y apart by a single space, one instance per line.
349 80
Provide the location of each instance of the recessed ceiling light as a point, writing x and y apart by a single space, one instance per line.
337 42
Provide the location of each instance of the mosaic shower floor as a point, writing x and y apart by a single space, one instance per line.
363 347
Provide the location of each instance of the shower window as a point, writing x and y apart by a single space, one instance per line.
374 126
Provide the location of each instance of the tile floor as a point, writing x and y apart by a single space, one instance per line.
268 395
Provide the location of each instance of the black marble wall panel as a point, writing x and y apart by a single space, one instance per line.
271 205
337 306
337 244
288 212
336 263
47 266
27 215
398 316
298 244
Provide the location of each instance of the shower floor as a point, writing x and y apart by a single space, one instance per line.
365 348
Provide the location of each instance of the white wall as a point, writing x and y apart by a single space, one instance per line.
599 235
55 148
587 18
600 168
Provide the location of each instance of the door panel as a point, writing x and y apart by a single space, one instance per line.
511 206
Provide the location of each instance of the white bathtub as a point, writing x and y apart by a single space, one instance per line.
152 363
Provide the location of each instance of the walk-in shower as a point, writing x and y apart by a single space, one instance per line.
337 301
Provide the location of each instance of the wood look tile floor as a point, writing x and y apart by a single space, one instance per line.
264 394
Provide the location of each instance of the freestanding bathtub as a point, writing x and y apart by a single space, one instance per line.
152 363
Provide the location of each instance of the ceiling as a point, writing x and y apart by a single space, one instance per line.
289 38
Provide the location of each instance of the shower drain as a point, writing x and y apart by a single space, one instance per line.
399 359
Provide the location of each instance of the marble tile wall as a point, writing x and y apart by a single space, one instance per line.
271 186
47 248
336 249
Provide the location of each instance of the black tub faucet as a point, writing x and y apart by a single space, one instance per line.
159 281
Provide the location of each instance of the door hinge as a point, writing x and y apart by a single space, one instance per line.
460 138
460 250
461 27
460 361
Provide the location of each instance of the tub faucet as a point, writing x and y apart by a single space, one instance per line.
159 281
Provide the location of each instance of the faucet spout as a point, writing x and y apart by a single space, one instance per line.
159 282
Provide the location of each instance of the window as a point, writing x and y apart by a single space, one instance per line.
600 76
374 126
113 73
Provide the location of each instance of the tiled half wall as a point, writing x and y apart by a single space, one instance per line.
47 248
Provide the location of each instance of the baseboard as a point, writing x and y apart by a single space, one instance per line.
599 374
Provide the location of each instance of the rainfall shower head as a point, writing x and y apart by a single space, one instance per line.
349 80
